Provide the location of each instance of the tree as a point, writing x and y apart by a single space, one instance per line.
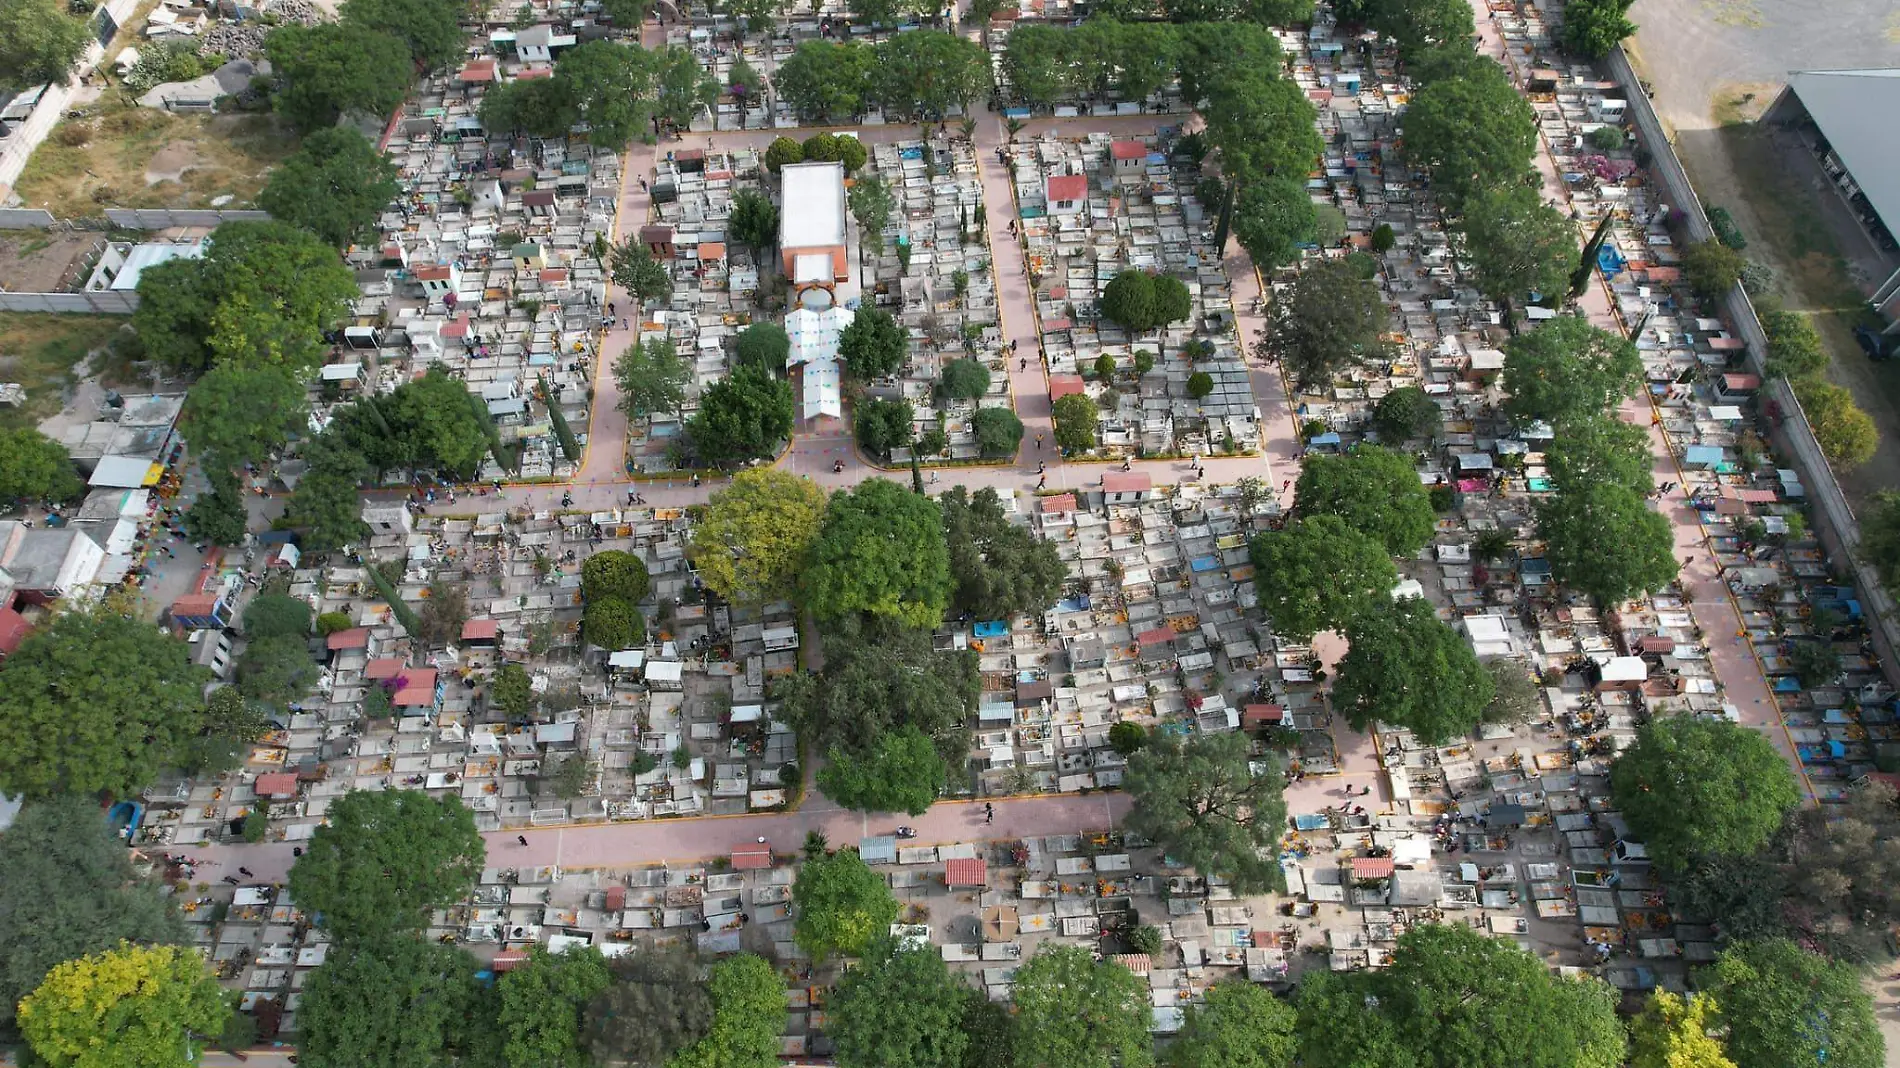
1375 490
1593 27
1517 244
543 107
231 723
752 542
1407 668
1692 786
657 1003
1200 384
1238 1025
1568 370
1601 449
128 1007
742 417
1784 1005
753 221
872 344
1513 694
613 623
1202 803
763 345
925 73
998 431
748 1013
431 29
385 1003
1262 125
40 42
882 425
236 414
1604 540
385 861
276 670
964 379
428 423
1405 414
881 553
1454 998
444 611
35 467
759 15
1711 269
614 573
94 701
1272 219
67 890
277 615
636 271
1329 319
782 152
1846 855
1128 737
825 82
1075 416
1470 133
330 69
1037 63
1129 301
541 1003
902 771
1880 536
326 505
842 905
612 89
682 92
1846 433
1080 1013
1795 349
871 205
335 185
1673 1032
512 691
900 1008
1318 574
652 378
1000 569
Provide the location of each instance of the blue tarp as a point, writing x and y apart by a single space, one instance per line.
1702 455
1204 563
1610 261
993 629
1078 603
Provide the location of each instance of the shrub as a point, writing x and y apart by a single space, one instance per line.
614 574
1711 269
1383 238
1606 138
781 151
998 431
613 623
1725 229
965 379
1200 384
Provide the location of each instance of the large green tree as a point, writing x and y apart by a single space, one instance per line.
1262 126
1470 133
1000 568
67 890
659 1002
1421 26
750 546
1406 667
1694 786
237 414
825 82
1238 1025
1603 539
1566 370
1076 1012
219 516
427 423
95 701
35 467
1517 245
40 41
882 426
127 1007
1374 490
1327 321
881 552
741 417
1593 27
1454 998
327 504
1272 219
1075 417
1202 803
902 770
923 74
331 69
277 670
652 378
764 345
842 905
386 1003
748 1013
335 185
1319 574
431 29
872 344
1673 1032
612 88
1785 1006
1601 449
541 1005
385 860
899 1008
1407 414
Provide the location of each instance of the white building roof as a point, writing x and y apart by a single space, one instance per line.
151 255
1855 110
813 211
811 267
814 337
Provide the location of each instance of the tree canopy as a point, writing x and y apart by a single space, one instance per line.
427 423
67 890
127 1007
1846 433
614 573
1784 1005
1593 27
1000 569
1139 301
1601 449
825 82
1693 786
1673 1032
1605 540
1469 132
748 1013
238 414
1272 219
965 379
1319 574
1406 414
753 221
1202 803
431 29
386 1003
385 861
652 378
764 345
644 278
1517 244
1406 667
330 69
1453 998
541 1004
881 552
1566 370
1261 124
40 41
1075 417
872 344
741 417
922 74
1075 1012
751 544
1238 1025
842 906
1374 490
657 1003
882 425
94 701
35 467
1328 320
899 1008
335 185
325 504
999 432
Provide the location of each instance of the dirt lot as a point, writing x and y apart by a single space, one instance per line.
43 261
133 157
47 354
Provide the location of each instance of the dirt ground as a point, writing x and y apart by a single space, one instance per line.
38 261
48 355
133 157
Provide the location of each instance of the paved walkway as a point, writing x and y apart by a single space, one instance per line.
1731 655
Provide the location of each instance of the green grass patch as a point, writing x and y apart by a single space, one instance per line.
47 354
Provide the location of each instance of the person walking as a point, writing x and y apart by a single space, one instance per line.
246 872
1038 442
989 812
522 838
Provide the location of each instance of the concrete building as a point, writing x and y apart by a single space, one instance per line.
122 262
1846 117
811 224
46 565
